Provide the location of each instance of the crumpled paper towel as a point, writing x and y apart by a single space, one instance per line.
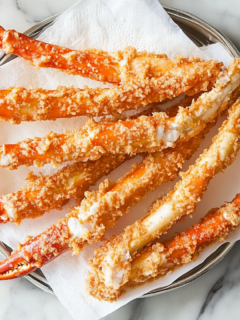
108 25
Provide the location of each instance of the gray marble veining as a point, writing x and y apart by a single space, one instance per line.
215 295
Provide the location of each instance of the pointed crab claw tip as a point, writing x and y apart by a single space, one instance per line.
15 266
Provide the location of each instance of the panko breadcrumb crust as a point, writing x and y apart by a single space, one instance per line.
182 199
44 193
159 259
129 137
188 76
115 199
141 78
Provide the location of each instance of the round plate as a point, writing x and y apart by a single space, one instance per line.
201 34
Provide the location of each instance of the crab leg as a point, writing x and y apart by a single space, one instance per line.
36 252
112 262
99 210
158 259
153 133
44 193
95 64
20 104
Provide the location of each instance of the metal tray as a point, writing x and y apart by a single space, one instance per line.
201 34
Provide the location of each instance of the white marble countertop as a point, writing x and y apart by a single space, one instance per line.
215 295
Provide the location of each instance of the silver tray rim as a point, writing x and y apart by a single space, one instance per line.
197 24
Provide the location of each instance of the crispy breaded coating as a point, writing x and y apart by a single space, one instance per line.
94 64
153 133
44 193
159 259
111 265
140 78
98 211
103 66
20 104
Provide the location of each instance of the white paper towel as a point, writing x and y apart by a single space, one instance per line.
108 25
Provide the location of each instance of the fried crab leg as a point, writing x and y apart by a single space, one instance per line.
97 64
153 133
44 193
112 263
98 211
20 104
159 259
94 64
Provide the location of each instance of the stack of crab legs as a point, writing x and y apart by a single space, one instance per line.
164 139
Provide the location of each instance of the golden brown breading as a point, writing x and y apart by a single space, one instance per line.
116 255
159 259
114 200
97 64
44 193
20 104
153 133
